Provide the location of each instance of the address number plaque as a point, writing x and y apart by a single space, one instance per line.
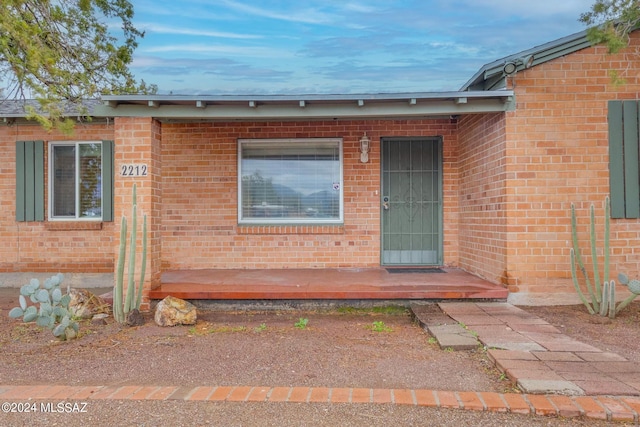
133 170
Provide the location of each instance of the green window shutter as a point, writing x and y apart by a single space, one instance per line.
107 180
624 140
616 159
29 181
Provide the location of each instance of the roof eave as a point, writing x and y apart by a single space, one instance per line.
278 107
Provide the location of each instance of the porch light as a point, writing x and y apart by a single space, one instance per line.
364 148
510 68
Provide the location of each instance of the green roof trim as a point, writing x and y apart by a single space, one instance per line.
492 75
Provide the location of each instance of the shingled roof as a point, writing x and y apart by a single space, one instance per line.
17 108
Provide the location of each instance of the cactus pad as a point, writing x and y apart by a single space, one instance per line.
634 286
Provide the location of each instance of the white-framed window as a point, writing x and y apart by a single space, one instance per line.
75 180
290 181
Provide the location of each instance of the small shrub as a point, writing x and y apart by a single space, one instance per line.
301 323
379 326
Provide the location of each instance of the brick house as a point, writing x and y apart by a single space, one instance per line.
480 179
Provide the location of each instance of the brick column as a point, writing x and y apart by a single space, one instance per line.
138 143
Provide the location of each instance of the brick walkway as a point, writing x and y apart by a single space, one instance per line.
596 407
532 353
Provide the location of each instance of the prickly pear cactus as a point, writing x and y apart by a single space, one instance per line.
634 287
633 284
49 308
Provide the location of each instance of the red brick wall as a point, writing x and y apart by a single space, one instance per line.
49 246
483 196
190 198
199 197
557 153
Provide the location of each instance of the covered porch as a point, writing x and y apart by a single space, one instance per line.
325 284
387 186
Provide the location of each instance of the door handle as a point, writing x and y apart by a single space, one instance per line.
385 203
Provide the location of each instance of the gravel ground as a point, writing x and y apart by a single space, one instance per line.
248 348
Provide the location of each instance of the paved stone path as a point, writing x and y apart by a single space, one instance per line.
532 353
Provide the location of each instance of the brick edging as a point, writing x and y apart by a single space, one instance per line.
618 408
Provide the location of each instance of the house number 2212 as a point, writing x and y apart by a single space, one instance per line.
135 169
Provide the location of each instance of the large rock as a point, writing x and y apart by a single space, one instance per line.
85 304
174 311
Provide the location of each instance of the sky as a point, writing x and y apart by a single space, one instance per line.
273 47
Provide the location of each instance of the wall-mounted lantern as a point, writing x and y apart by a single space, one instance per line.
364 148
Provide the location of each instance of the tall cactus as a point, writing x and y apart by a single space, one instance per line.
596 292
603 297
132 299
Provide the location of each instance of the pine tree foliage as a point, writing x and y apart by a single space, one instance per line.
62 52
611 22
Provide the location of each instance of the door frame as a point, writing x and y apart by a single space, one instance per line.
440 189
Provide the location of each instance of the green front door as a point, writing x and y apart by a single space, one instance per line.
412 201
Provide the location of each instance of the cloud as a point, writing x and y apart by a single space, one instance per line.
340 47
187 9
403 75
221 68
386 44
333 46
165 29
360 7
531 9
290 13
494 28
220 49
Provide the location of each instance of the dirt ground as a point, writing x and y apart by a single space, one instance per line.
620 335
337 348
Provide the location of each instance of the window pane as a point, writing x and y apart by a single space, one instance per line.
76 177
291 181
90 180
64 181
